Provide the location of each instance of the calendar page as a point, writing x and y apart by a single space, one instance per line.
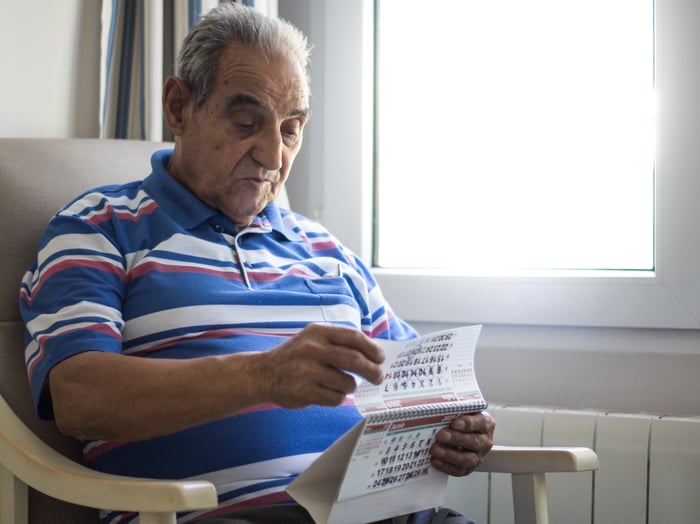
391 453
381 467
433 369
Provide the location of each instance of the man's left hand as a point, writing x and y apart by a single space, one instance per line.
461 447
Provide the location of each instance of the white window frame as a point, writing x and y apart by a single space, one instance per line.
668 297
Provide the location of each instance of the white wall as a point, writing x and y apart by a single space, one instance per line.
49 58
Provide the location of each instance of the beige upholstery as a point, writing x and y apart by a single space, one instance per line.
37 177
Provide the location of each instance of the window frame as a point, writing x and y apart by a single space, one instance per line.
668 297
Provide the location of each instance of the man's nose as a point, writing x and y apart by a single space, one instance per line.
268 150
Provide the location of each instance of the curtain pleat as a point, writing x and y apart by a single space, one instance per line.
126 53
134 45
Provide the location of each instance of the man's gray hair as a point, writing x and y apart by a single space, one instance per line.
227 23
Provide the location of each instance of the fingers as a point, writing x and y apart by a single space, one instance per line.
335 379
456 464
348 350
461 447
317 366
351 339
479 422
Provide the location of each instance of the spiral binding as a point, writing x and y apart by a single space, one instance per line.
423 410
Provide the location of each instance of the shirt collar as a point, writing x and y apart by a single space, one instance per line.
190 212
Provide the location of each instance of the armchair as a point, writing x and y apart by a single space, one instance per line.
41 478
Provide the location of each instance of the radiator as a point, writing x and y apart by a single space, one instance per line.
649 469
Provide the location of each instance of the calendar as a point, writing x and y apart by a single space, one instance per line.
381 467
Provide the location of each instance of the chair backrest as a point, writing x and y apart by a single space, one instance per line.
37 177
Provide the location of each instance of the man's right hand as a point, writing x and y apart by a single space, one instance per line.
314 366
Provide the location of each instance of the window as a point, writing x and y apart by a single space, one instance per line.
515 135
341 156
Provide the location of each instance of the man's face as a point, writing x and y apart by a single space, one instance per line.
235 151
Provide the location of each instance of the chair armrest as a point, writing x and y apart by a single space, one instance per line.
528 466
38 465
520 459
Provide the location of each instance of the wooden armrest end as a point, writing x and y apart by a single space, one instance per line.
521 459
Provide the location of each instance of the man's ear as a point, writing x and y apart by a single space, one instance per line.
176 104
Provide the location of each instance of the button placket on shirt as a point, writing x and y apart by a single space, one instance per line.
240 252
237 247
233 238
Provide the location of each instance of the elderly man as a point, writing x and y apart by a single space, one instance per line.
184 325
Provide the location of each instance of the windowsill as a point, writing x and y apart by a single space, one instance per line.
541 275
641 300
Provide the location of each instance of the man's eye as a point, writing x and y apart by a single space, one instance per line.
243 121
244 125
292 130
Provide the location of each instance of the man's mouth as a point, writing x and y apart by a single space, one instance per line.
258 180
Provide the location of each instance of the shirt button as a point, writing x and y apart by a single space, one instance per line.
219 228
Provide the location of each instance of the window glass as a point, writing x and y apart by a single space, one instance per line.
515 135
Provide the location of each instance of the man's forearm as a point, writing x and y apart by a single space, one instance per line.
106 396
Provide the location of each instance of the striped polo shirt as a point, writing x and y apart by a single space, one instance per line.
147 269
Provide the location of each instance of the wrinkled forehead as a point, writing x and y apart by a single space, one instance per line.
277 76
